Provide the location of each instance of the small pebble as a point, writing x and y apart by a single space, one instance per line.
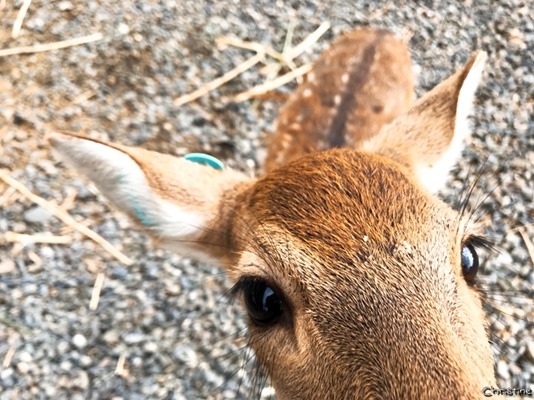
530 351
79 341
150 347
502 370
24 356
134 338
23 368
65 5
111 337
63 347
186 354
37 215
7 266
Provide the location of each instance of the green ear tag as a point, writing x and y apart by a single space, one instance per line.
205 159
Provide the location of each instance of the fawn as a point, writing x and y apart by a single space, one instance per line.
357 281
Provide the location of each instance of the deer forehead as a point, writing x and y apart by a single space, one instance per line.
345 197
332 218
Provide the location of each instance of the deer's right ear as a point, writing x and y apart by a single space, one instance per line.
187 207
429 138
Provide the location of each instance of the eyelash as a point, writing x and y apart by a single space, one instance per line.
246 283
480 242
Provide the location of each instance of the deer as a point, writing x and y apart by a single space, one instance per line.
357 281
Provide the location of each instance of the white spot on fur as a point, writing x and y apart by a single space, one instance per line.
286 141
345 78
407 246
337 99
307 92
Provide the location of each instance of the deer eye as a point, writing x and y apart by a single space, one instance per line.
469 262
264 305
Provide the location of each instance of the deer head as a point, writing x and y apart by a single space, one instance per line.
357 281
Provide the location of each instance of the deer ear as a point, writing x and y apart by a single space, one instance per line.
184 205
429 138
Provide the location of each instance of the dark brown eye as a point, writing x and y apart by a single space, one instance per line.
263 304
469 262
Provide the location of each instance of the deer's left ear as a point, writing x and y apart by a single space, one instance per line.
429 138
185 206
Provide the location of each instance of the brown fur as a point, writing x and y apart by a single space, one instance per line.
366 261
362 258
362 82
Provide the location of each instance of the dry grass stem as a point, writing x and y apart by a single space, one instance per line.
37 261
65 217
289 38
12 237
381 10
9 356
288 54
208 87
528 243
39 48
308 42
253 46
17 25
7 197
69 200
97 288
83 97
16 249
271 85
261 50
119 369
521 227
272 70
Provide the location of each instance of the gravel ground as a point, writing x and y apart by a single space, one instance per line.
166 319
